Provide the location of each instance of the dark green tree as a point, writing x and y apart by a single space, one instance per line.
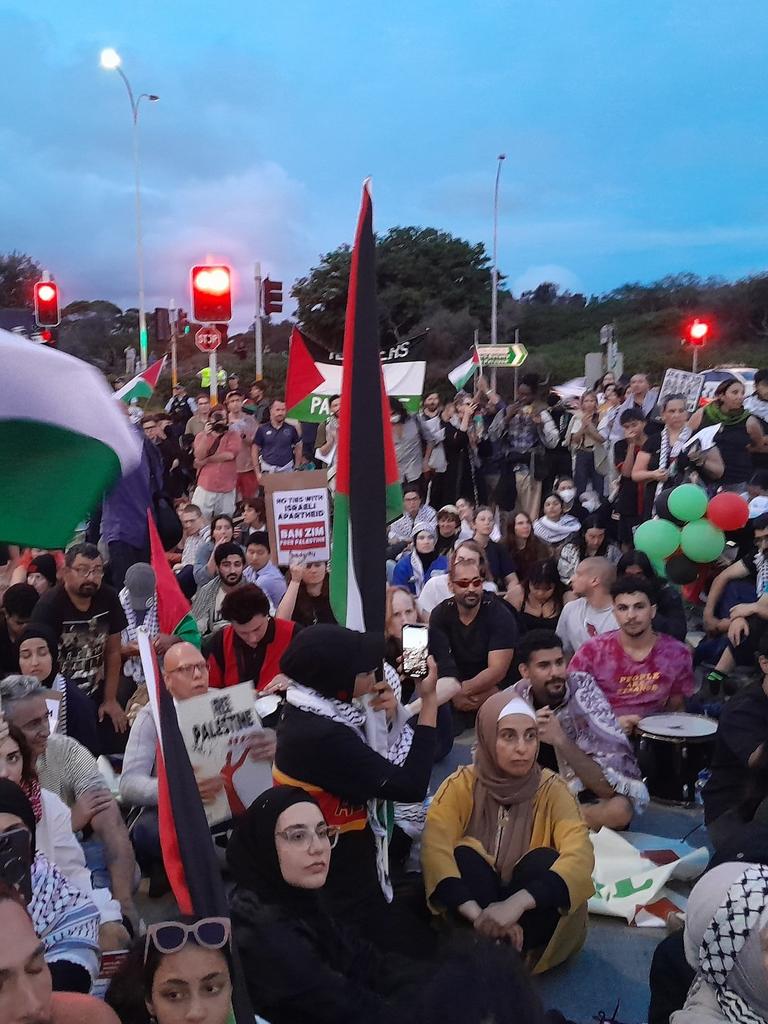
18 273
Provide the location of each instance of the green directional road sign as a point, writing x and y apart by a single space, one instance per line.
518 353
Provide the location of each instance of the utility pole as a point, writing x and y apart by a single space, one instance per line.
257 324
172 316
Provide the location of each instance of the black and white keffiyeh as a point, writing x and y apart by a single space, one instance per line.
669 452
132 666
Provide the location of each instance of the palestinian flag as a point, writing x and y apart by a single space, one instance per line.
185 839
368 492
174 616
465 370
143 384
315 375
63 442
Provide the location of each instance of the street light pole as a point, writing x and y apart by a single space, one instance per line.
110 59
495 270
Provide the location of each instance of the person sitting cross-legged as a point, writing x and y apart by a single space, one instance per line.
505 847
579 735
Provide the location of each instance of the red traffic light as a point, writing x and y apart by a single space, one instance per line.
273 296
697 331
211 294
47 304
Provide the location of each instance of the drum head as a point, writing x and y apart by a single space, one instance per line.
677 725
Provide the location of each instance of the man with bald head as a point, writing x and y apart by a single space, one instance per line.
591 614
185 674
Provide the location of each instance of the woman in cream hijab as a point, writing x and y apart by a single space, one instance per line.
726 943
505 847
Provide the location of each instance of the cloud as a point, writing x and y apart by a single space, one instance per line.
537 275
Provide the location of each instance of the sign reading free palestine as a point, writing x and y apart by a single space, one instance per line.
314 376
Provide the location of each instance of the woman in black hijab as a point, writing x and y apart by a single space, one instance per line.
302 967
37 650
352 760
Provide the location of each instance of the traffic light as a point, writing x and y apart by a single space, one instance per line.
182 322
211 294
696 332
49 336
273 296
162 324
47 304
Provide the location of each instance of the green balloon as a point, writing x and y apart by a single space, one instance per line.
658 538
687 502
702 541
660 567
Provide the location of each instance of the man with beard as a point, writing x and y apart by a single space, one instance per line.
472 638
206 608
579 735
639 671
87 617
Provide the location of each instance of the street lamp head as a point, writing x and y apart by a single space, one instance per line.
152 98
110 59
502 156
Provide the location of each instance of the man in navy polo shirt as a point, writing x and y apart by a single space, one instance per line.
276 444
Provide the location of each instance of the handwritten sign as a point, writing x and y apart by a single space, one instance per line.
298 516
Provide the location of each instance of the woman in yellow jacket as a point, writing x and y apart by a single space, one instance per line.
505 846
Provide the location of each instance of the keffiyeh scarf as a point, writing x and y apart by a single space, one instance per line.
669 452
552 532
132 666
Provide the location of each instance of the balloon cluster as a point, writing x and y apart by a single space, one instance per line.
689 530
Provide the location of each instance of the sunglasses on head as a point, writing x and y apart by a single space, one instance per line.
465 584
171 936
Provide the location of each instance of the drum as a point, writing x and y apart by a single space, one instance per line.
672 749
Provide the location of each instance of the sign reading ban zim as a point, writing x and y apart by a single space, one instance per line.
208 339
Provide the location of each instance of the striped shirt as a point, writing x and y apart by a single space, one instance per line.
67 769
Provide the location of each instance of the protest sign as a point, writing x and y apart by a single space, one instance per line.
298 515
216 728
682 382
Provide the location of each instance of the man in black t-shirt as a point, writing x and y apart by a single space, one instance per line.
88 618
742 733
472 637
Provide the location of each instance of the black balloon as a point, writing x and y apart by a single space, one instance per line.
661 507
680 569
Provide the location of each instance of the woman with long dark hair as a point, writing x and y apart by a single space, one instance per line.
523 545
307 599
540 600
592 542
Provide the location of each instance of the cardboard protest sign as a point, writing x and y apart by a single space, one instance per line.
216 728
298 515
682 382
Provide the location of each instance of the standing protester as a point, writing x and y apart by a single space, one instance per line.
196 424
629 502
590 459
757 406
216 450
86 615
740 433
407 439
642 398
257 404
181 408
327 438
276 444
245 425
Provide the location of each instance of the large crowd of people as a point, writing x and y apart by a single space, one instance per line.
360 891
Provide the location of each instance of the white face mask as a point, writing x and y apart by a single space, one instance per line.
567 494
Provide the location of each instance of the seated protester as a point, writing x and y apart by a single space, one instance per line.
70 771
261 570
572 506
415 513
307 600
466 510
472 637
740 744
322 747
555 526
724 939
591 542
639 671
27 995
139 601
416 567
448 529
206 606
579 735
181 971
42 573
629 507
65 920
591 614
196 534
254 520
19 601
249 649
23 567
505 847
670 613
523 545
501 567
54 836
222 531
539 601
437 588
185 674
38 656
302 966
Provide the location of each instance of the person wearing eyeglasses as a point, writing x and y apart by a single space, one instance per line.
180 971
185 673
472 637
87 617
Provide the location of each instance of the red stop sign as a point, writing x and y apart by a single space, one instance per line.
208 339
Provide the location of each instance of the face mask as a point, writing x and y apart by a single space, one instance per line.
567 493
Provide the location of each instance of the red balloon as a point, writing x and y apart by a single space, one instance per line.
728 511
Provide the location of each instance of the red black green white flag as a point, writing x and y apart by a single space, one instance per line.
174 613
143 384
368 492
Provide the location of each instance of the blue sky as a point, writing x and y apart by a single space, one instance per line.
635 135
